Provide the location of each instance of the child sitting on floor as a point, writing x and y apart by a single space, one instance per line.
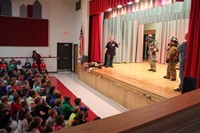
43 68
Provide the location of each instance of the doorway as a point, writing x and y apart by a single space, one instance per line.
64 54
145 48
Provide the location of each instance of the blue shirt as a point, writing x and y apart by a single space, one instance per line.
57 110
37 88
182 49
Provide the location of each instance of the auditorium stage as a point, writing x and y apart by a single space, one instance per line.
138 74
128 80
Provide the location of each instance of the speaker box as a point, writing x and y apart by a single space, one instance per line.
84 59
189 84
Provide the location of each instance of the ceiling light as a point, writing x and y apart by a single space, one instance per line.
109 9
119 6
136 1
129 3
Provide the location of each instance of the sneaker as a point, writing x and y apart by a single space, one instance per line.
112 66
154 70
150 69
165 77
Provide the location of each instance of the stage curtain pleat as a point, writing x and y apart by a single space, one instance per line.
140 42
192 67
129 35
176 28
95 38
129 41
170 20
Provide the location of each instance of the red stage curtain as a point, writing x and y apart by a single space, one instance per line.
192 67
99 6
96 8
95 38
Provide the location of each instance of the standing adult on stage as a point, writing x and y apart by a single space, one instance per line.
110 51
182 49
36 57
172 59
152 45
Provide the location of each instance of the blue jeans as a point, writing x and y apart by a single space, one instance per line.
181 74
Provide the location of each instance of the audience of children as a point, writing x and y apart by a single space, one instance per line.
22 122
35 125
27 64
3 66
29 98
58 104
78 103
51 121
5 118
66 108
15 106
42 67
19 65
35 65
60 122
76 109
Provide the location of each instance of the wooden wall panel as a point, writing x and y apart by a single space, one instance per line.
102 85
127 95
116 92
91 80
81 75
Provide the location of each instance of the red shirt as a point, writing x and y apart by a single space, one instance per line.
14 108
43 66
34 65
14 87
18 88
3 66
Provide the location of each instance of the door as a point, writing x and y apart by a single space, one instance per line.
75 57
64 54
145 48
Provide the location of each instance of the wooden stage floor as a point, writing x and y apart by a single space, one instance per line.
137 74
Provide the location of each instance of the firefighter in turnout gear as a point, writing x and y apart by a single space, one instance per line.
152 49
172 59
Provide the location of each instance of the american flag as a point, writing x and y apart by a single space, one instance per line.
81 38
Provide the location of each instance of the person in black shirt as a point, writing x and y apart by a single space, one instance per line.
41 110
110 51
27 64
36 57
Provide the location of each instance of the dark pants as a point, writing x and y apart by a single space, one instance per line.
181 74
110 60
105 60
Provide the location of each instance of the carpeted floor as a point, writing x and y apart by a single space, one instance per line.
66 92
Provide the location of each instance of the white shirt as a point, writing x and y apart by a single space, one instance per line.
21 126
